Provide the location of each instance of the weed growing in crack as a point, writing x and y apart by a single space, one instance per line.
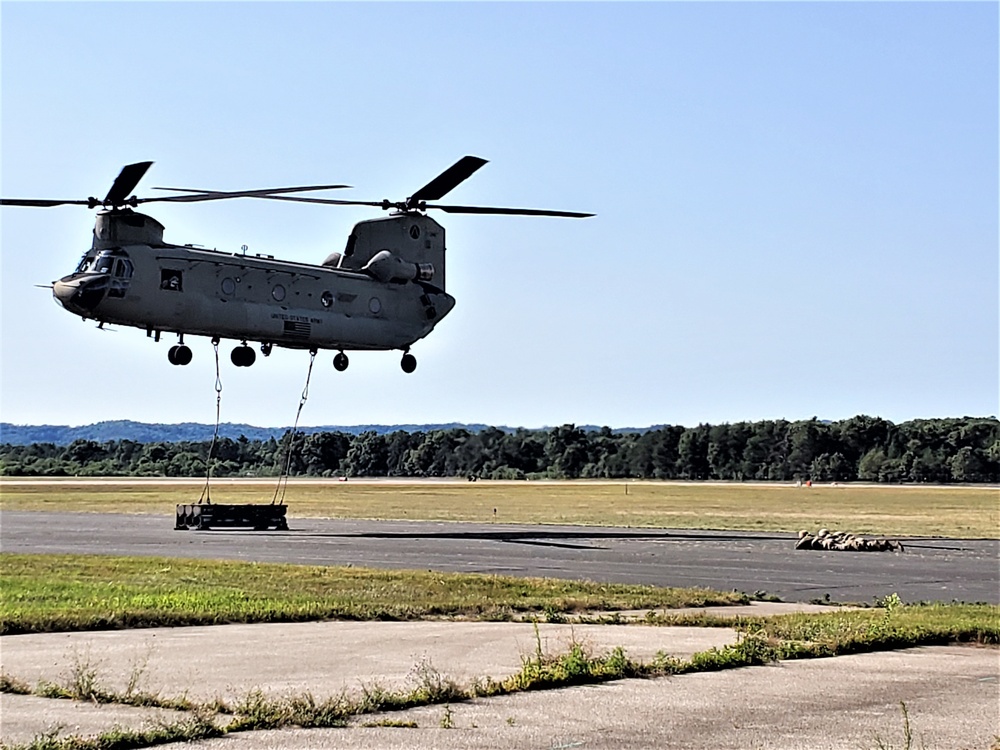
307 712
121 738
374 698
82 681
448 719
881 744
431 685
13 685
256 711
137 672
392 723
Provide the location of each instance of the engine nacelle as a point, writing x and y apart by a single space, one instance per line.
413 236
386 266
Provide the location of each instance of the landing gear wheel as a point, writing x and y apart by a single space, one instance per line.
179 355
340 362
265 348
408 363
243 356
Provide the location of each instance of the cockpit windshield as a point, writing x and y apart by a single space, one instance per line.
101 262
85 263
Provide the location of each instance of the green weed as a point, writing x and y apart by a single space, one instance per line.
447 720
120 738
881 744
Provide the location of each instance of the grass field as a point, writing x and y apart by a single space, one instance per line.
970 512
86 592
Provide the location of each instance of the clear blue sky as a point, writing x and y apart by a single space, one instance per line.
797 202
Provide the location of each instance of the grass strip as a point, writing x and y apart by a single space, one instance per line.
952 511
44 593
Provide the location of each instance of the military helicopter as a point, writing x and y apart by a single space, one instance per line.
385 291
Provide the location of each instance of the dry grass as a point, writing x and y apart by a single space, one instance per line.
958 511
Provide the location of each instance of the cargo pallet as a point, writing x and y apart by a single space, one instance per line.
204 516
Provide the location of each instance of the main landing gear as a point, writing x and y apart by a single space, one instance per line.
179 355
243 356
408 362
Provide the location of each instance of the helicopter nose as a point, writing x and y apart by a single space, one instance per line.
80 296
63 291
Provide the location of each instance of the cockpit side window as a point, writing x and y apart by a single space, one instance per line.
123 268
103 264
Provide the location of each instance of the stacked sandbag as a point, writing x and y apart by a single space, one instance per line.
844 542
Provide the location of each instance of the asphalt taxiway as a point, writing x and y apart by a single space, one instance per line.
930 569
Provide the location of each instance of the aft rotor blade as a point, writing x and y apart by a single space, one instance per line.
448 180
325 201
39 203
507 211
125 183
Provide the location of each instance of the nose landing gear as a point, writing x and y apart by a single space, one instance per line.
243 356
408 363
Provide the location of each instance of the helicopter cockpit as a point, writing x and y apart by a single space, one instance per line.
113 261
101 273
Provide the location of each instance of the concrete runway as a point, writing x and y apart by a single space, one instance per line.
929 570
846 703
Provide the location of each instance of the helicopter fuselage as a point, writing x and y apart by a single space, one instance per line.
386 290
377 295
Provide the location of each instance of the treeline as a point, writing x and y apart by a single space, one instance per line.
861 448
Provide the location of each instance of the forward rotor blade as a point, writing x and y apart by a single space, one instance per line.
425 206
448 180
39 203
507 211
220 194
125 182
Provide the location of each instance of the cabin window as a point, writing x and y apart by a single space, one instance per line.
228 286
326 299
278 292
171 280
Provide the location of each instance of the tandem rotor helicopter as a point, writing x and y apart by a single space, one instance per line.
385 291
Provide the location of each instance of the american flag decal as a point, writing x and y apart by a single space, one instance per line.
296 330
